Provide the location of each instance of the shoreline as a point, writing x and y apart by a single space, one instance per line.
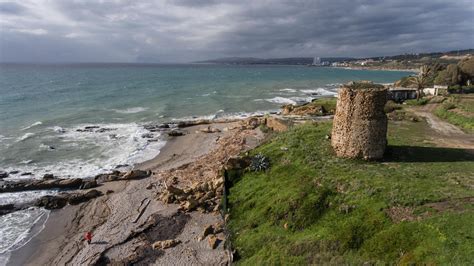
65 227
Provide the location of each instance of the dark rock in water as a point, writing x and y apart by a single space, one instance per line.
26 173
59 201
3 174
6 208
147 136
175 133
113 136
102 130
33 184
48 176
91 127
14 172
152 140
163 126
121 166
51 202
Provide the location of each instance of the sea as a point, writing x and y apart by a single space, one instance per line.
79 120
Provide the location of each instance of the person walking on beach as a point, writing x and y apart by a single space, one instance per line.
88 237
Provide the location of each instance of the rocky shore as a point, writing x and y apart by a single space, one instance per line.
165 211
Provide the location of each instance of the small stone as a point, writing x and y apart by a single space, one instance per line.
165 244
213 241
109 192
189 205
207 231
150 186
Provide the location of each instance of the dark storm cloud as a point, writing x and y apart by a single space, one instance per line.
187 30
10 8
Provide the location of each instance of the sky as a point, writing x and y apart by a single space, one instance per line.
191 30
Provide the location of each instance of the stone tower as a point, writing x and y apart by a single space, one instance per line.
360 124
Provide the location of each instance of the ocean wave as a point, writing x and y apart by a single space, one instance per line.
319 91
281 100
25 137
132 110
288 90
16 227
32 125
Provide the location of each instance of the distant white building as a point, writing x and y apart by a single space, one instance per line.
435 90
316 61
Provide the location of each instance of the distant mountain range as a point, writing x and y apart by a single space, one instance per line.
309 60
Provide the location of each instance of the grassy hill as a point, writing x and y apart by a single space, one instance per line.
313 208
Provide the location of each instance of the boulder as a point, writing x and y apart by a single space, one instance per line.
175 133
207 231
72 183
74 199
87 184
237 163
3 174
253 122
278 124
136 174
189 205
165 244
51 202
6 208
48 176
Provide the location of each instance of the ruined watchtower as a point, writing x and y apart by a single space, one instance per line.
360 124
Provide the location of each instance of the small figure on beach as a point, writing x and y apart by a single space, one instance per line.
88 237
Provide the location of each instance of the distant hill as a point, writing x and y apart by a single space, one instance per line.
271 61
309 60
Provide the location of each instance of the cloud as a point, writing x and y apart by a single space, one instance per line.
188 30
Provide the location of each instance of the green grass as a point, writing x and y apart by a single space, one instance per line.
335 209
329 104
465 122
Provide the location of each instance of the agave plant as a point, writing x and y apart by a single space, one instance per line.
259 163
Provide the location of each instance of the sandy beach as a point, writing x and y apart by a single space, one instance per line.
130 217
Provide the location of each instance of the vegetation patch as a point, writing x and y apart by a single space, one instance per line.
463 118
311 207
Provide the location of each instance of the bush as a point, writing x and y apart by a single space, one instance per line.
391 106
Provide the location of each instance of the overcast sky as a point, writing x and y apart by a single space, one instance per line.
188 30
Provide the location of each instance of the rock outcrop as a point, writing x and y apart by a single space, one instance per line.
360 124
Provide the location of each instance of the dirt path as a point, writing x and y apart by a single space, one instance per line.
447 135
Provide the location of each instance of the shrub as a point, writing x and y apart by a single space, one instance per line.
391 106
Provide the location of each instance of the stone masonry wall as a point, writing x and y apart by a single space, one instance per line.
360 124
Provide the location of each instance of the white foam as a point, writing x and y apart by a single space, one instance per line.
281 100
59 129
25 137
132 110
319 91
32 125
97 150
288 90
16 228
24 196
